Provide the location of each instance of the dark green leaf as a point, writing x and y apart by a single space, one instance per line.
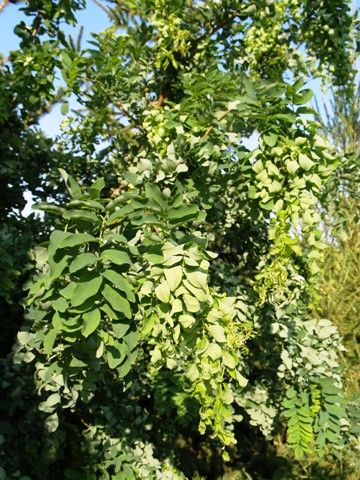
82 215
88 285
117 301
75 239
120 283
91 322
72 186
82 260
119 257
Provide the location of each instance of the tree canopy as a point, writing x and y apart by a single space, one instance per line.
172 283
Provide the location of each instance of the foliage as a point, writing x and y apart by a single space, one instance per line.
172 291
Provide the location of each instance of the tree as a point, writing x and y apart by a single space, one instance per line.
174 294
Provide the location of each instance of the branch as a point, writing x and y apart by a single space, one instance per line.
37 23
47 108
100 5
4 60
3 5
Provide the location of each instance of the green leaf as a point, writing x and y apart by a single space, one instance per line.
92 204
75 239
51 423
154 255
68 291
116 353
148 325
120 283
91 322
56 237
163 292
120 329
304 96
110 312
228 360
286 117
72 186
201 294
186 321
242 381
64 108
60 304
153 192
132 338
119 257
83 260
48 207
305 162
57 264
173 277
192 303
88 285
97 187
214 351
270 138
217 332
198 279
82 215
49 341
120 214
184 214
117 301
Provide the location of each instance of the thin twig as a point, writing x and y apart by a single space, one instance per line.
213 126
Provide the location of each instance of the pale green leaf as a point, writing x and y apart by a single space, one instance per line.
242 381
198 279
217 332
214 351
228 360
305 162
51 423
173 277
192 303
120 329
68 291
163 292
186 321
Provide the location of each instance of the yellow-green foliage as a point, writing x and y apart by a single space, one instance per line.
341 299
